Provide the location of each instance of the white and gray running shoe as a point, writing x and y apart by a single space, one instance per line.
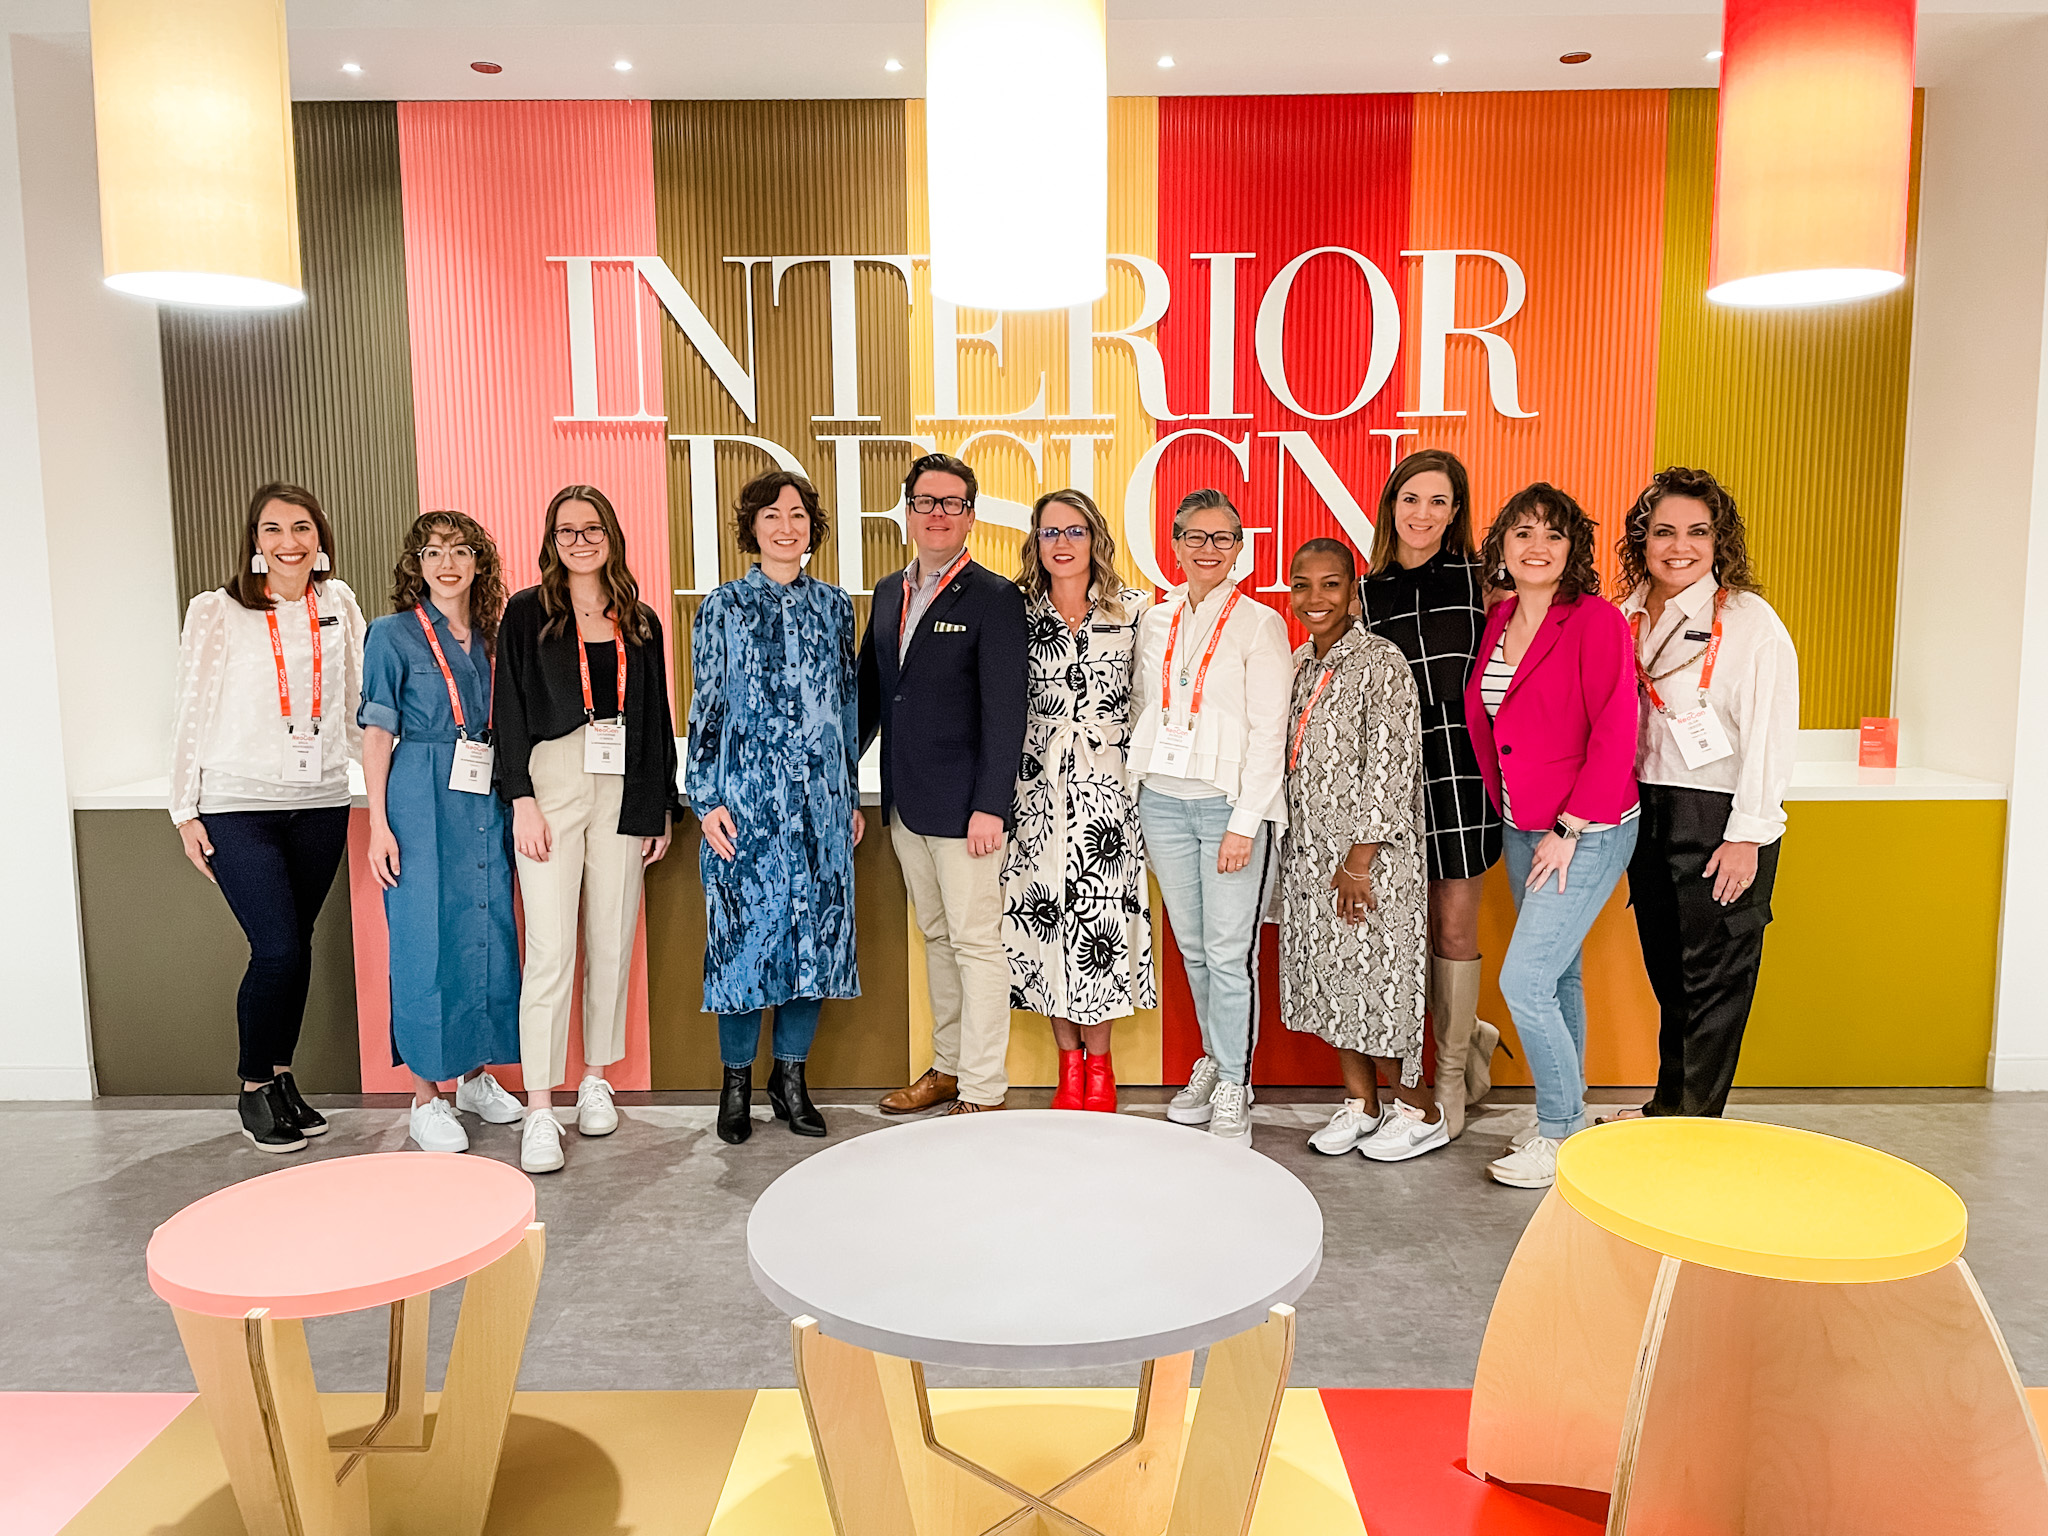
1347 1128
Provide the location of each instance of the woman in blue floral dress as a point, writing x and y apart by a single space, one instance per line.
773 777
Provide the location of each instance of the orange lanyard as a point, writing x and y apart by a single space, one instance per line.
903 614
284 683
1301 725
1208 655
583 666
1712 654
448 677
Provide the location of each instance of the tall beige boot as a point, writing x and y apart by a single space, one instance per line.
1451 1007
1479 1069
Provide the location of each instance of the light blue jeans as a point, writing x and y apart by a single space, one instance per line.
1540 977
1215 919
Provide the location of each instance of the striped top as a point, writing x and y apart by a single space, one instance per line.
1494 683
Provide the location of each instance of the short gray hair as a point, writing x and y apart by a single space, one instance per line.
1204 501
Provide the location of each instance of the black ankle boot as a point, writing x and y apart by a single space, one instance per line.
735 1117
267 1119
308 1119
791 1099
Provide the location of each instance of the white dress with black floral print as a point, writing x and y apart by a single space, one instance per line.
1076 919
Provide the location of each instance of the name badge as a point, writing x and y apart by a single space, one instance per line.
471 771
1171 749
604 746
302 757
1701 737
1701 635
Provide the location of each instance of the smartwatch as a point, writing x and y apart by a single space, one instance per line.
1562 830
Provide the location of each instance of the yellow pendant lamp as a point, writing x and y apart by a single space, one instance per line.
1017 151
192 101
1816 151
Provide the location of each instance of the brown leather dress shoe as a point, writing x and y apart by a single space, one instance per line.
935 1087
963 1107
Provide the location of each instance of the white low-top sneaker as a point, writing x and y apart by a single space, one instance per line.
1533 1166
1231 1112
484 1095
1403 1134
436 1129
1347 1128
595 1113
1191 1105
540 1142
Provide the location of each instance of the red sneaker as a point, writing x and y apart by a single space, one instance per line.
1101 1089
1068 1095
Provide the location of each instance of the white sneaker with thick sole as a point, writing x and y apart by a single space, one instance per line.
1191 1105
436 1129
1404 1133
1230 1116
1533 1166
1347 1128
484 1095
595 1113
540 1142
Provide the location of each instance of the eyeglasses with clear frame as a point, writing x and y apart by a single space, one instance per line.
434 554
952 506
569 538
1198 538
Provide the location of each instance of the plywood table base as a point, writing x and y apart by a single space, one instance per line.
405 1475
886 1472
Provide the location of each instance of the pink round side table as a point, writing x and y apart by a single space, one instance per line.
243 1267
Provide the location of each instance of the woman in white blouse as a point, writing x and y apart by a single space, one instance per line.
1212 683
1718 692
269 678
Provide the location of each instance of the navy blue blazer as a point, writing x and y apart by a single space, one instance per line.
952 715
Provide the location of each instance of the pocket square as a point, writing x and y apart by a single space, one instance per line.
941 627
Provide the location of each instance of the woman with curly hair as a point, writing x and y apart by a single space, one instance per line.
1076 920
439 838
1719 703
1552 714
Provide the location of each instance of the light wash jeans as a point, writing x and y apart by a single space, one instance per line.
1215 918
796 1025
1540 977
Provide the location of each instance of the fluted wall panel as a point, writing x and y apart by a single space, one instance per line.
318 394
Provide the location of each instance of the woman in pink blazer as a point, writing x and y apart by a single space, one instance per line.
1552 712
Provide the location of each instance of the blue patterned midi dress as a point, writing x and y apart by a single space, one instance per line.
775 739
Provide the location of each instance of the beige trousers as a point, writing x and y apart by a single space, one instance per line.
959 904
590 864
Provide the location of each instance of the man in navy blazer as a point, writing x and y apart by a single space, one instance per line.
943 676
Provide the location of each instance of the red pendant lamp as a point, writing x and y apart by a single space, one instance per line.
1816 151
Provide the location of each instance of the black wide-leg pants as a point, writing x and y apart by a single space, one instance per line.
1702 957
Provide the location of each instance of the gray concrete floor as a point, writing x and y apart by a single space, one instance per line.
646 1283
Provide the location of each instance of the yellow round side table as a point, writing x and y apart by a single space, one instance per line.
1746 1330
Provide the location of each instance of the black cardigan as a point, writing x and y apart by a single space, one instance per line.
540 698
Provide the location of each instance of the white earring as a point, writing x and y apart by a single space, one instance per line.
258 566
321 562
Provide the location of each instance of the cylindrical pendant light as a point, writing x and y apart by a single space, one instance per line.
1816 151
1017 151
193 104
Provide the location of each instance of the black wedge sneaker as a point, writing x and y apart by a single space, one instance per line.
735 1101
267 1119
308 1119
790 1098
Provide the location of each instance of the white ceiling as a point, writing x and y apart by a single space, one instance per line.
421 49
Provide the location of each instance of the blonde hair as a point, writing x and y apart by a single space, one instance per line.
1103 577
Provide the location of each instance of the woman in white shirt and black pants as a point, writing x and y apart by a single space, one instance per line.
270 673
1718 694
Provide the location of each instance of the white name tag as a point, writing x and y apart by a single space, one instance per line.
604 746
302 757
471 771
1171 749
1702 739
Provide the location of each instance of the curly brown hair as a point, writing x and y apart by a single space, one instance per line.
762 492
1731 545
1544 503
622 593
486 593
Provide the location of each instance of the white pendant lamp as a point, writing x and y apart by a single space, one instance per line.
193 106
1017 151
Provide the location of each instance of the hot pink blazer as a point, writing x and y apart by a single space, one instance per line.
1565 738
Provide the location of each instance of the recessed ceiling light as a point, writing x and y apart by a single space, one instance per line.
893 65
1166 61
1579 56
351 69
1440 58
1714 57
486 67
623 65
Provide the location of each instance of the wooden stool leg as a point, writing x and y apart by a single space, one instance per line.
256 1382
446 1489
850 1434
1225 1462
1560 1350
1135 1492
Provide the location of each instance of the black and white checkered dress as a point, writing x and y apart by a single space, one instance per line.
1436 614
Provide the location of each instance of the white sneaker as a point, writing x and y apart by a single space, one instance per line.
1533 1166
1191 1105
436 1129
540 1142
1230 1106
595 1115
1347 1128
484 1095
1521 1139
1404 1134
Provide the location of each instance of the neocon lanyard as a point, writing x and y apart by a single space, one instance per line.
284 683
448 677
903 613
583 666
1712 654
1301 725
1201 672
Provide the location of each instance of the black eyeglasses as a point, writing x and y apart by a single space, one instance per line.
1054 535
1196 538
953 506
569 538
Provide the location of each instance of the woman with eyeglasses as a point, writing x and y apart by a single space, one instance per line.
588 762
1077 922
1213 676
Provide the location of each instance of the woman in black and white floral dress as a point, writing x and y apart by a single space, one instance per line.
1076 919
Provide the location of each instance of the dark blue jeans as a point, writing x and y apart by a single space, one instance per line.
275 868
796 1024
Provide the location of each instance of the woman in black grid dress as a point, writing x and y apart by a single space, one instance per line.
1426 593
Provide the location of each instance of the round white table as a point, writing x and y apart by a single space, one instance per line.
1034 1240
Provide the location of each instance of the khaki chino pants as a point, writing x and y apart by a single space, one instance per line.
959 904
